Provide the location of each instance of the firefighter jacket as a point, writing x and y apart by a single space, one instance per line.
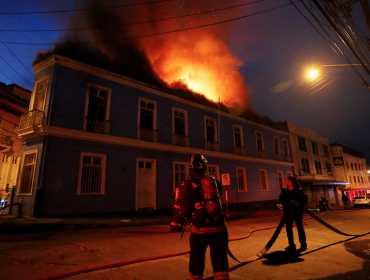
193 208
293 200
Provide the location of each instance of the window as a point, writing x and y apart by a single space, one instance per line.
238 141
276 146
260 146
328 168
354 179
242 179
92 174
315 148
326 150
355 166
358 179
5 158
302 144
351 165
147 121
15 160
97 114
180 128
305 165
318 167
263 180
213 170
362 180
211 136
179 174
286 147
280 177
28 172
40 95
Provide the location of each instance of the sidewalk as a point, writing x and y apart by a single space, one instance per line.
12 224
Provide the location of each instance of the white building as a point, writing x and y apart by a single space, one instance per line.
313 165
350 166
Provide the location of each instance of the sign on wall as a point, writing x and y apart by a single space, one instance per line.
225 179
338 161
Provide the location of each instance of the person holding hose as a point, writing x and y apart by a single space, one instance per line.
294 201
200 205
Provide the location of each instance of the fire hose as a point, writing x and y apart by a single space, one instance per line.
250 259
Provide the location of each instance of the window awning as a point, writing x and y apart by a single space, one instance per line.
325 183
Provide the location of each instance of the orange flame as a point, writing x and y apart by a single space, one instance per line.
201 61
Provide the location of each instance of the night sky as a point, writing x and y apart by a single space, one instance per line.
265 48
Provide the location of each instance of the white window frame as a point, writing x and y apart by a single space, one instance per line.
32 103
265 178
245 184
22 169
280 174
103 171
186 165
240 132
185 117
215 127
285 141
217 170
154 111
100 88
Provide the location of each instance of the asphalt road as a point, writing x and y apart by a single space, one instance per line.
329 255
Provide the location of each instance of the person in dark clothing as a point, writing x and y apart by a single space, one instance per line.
294 201
200 205
345 201
326 202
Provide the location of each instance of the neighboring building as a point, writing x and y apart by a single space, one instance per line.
98 142
313 165
350 166
14 101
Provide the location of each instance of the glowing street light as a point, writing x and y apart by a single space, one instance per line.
313 74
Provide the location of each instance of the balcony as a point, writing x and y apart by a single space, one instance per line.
279 157
212 146
147 134
261 153
5 143
96 126
181 140
239 150
288 158
30 119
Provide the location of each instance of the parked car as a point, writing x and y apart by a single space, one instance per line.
361 201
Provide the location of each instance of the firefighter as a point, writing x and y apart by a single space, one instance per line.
177 221
294 201
201 206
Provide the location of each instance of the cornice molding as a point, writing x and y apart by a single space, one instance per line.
115 140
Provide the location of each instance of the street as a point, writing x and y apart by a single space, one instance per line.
329 255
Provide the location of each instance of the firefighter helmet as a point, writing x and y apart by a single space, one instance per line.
197 163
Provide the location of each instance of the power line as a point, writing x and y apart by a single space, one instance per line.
83 10
15 70
8 121
132 23
1 41
7 77
155 34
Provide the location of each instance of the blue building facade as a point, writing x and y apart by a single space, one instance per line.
99 142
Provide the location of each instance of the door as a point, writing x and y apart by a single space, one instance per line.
146 187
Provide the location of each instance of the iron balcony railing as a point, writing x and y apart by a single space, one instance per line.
5 140
261 154
96 126
147 134
279 157
30 119
181 140
240 150
288 158
212 146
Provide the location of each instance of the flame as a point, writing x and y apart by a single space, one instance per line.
201 61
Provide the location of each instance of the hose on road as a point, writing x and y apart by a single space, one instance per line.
250 259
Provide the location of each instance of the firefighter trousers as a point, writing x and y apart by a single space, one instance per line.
217 242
